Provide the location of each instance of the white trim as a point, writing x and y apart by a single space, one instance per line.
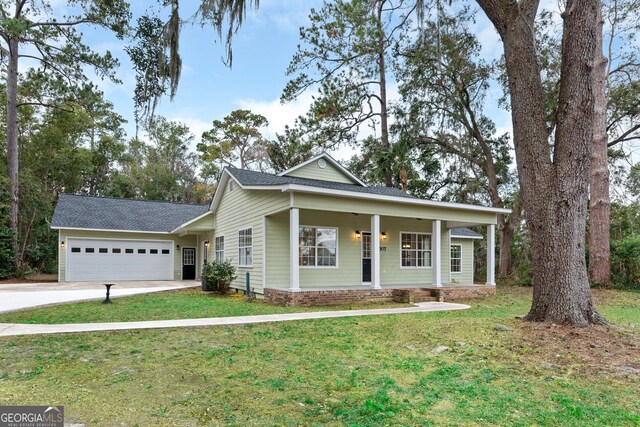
450 258
395 199
173 251
491 255
455 236
362 233
400 233
436 258
248 227
321 267
375 251
449 239
294 244
264 252
224 248
331 160
60 257
109 230
191 221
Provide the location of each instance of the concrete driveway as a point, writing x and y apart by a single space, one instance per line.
29 295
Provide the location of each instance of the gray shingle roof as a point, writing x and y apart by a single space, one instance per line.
246 177
465 232
106 213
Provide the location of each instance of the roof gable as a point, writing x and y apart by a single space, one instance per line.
323 167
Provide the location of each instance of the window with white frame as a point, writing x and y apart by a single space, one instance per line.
318 246
415 250
245 247
219 248
456 258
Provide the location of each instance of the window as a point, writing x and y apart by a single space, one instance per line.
415 250
142 251
116 251
128 251
75 249
456 258
166 252
230 186
219 249
103 250
89 250
153 251
318 246
245 248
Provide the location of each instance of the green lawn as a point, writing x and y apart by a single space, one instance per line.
184 304
378 370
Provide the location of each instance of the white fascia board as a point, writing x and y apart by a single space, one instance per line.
110 230
191 221
453 236
421 202
331 160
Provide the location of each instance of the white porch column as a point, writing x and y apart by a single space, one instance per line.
436 248
491 255
294 242
375 251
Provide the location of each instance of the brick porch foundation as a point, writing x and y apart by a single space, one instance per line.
347 296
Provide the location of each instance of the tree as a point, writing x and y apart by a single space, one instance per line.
553 179
236 138
347 45
290 149
443 86
30 30
156 52
163 169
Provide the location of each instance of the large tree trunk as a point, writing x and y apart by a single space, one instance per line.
384 125
554 186
600 206
12 144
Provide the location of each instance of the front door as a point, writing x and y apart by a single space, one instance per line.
188 263
366 257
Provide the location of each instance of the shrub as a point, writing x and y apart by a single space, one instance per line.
625 261
217 276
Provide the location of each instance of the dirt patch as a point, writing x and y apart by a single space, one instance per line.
597 350
34 278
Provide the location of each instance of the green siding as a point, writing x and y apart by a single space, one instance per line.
278 250
240 209
329 173
344 204
349 270
203 224
189 240
466 276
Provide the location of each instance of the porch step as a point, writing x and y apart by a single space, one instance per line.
413 295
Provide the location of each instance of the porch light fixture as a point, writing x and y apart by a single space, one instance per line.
358 235
206 243
178 246
384 235
62 243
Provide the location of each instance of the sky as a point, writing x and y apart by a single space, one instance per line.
262 50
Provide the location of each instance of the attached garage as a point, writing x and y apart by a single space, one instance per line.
107 239
98 259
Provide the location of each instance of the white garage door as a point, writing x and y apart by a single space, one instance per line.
97 260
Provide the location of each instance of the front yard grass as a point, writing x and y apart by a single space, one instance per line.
190 303
378 370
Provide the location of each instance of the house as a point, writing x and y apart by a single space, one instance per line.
312 234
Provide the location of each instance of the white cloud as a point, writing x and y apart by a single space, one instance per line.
279 115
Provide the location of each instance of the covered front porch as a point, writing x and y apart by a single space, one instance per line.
373 252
